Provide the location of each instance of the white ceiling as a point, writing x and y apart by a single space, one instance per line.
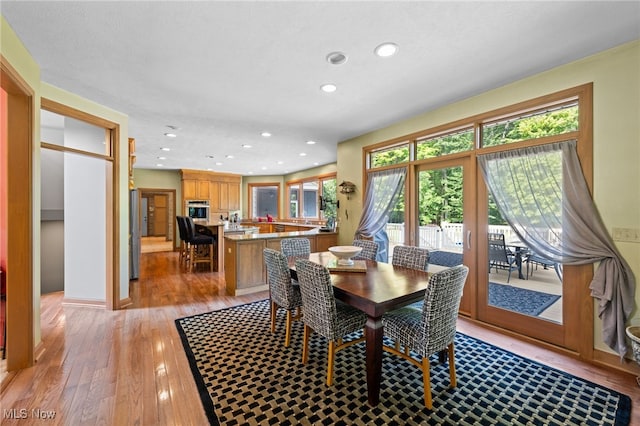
223 72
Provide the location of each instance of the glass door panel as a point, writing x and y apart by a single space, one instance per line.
440 217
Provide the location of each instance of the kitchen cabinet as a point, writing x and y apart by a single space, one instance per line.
222 190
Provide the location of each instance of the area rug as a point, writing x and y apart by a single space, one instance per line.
521 300
246 376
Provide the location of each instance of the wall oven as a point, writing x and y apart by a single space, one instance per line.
198 210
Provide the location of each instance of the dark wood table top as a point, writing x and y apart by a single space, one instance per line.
382 287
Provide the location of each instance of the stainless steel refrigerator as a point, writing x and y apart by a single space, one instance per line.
134 235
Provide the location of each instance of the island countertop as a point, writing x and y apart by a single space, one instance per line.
244 267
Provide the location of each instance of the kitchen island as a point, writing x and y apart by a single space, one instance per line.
244 268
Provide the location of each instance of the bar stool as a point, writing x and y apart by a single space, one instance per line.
201 247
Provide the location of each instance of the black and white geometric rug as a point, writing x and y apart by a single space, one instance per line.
246 376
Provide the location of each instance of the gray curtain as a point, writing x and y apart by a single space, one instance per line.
541 192
383 189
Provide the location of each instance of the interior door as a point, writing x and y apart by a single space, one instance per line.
160 219
444 218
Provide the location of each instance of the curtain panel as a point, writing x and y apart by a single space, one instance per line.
383 189
541 192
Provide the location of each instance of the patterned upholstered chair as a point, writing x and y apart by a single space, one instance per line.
295 246
369 249
411 257
431 330
325 315
283 292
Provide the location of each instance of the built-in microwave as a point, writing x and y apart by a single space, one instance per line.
198 210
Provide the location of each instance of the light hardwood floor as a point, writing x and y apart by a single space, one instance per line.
128 367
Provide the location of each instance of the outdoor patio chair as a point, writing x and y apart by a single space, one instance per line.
535 260
499 256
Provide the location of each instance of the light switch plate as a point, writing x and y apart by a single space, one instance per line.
631 235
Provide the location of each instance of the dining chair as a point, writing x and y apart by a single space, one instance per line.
201 247
369 249
295 246
325 315
411 257
500 256
283 293
431 330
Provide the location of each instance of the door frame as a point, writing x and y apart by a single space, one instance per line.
171 218
19 189
468 304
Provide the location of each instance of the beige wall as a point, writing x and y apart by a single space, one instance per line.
616 79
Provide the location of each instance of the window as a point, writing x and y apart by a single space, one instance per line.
534 125
387 156
263 199
313 198
436 146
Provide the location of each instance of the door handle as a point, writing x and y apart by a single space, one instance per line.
469 240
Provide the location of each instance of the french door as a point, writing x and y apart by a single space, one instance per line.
444 218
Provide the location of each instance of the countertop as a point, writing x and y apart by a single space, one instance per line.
243 237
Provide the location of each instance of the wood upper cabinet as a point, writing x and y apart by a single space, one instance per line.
222 190
202 189
234 196
189 190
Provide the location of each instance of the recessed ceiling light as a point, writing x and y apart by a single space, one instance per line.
336 58
280 162
229 156
266 134
209 169
166 149
302 154
162 158
170 135
316 163
264 167
328 88
386 49
246 146
218 163
159 165
311 142
250 173
210 156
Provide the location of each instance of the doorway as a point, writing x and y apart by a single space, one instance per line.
156 221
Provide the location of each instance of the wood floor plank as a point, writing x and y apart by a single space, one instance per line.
129 367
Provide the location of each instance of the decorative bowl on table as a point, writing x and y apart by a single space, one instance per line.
345 253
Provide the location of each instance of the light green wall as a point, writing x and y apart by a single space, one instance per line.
15 53
616 80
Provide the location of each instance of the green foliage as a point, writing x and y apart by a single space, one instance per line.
440 191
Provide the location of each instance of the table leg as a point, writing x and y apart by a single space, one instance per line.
373 334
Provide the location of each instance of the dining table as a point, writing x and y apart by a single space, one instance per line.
374 288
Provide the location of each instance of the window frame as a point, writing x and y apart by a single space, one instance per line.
318 179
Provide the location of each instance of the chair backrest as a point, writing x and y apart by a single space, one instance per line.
369 249
318 303
190 226
279 278
411 257
182 228
295 246
497 248
440 308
